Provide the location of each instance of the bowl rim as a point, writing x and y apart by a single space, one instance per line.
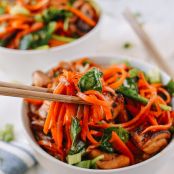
65 46
47 156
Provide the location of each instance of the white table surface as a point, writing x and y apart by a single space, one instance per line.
157 17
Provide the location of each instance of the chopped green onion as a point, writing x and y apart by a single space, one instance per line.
7 134
137 14
44 47
18 9
2 10
127 45
84 164
170 87
133 72
90 163
132 94
63 38
154 76
38 18
76 158
66 24
51 27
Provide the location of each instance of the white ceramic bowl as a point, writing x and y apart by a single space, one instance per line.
19 64
55 166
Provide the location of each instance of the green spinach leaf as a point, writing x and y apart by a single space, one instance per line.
170 87
75 129
39 38
53 14
91 81
77 146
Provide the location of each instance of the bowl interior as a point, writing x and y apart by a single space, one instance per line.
103 60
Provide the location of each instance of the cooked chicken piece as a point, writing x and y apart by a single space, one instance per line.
151 143
40 79
119 110
34 109
110 161
95 152
37 124
43 110
42 136
117 162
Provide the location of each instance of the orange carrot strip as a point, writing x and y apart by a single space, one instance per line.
85 123
68 126
91 139
119 82
91 99
54 43
34 101
152 120
95 101
82 16
40 5
167 95
60 128
51 115
34 27
138 117
160 127
48 119
118 144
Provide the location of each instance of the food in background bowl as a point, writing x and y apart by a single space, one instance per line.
41 24
128 121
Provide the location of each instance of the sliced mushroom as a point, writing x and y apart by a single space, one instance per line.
40 79
151 143
88 11
110 161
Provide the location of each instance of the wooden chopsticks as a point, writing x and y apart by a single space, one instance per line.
24 91
149 45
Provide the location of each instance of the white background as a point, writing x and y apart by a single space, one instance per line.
157 17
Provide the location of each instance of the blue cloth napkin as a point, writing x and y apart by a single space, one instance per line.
15 158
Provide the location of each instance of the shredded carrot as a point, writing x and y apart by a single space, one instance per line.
167 95
59 129
40 5
160 127
54 43
138 117
91 139
34 101
82 16
116 83
85 123
48 119
119 145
